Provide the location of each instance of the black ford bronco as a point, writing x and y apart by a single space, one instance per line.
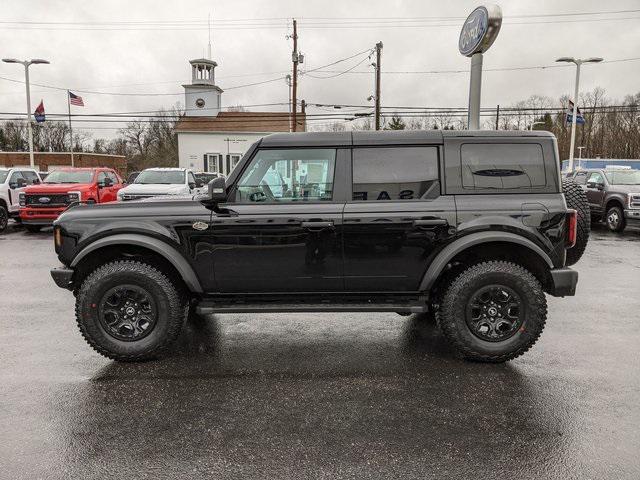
470 227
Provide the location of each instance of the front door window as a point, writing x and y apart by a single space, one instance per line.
294 175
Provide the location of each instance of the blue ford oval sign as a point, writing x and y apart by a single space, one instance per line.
480 29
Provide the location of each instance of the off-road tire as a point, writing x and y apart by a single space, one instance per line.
452 312
621 224
4 218
576 198
171 310
33 228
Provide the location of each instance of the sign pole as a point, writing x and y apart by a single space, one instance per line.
475 88
70 128
478 33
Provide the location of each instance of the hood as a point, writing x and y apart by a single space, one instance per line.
625 188
56 187
154 189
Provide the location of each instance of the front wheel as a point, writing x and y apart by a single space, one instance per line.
615 219
129 311
493 311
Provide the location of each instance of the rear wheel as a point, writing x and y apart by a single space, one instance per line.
129 311
4 218
493 312
615 219
577 200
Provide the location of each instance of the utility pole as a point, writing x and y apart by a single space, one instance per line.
294 86
377 94
497 116
287 80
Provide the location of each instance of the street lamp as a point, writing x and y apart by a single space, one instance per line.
26 64
578 62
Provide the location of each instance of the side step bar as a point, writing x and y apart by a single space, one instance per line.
207 307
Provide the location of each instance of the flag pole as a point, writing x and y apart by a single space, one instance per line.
70 128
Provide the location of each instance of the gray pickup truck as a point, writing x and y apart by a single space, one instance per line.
613 195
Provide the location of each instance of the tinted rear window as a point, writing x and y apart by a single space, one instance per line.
502 166
398 173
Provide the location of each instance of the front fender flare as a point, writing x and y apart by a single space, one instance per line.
172 255
446 255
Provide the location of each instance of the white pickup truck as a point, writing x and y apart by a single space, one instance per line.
12 182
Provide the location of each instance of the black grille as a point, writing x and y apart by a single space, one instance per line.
44 200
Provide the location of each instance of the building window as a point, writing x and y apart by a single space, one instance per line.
214 163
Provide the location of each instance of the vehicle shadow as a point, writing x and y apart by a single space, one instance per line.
378 397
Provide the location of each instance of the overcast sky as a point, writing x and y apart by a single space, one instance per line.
147 58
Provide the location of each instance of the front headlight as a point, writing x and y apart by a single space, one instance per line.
74 196
23 200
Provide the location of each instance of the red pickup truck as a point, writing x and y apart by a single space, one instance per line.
41 204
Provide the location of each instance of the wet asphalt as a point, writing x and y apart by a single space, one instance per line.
321 395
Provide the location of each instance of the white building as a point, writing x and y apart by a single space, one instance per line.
212 140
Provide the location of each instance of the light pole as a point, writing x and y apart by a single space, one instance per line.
578 62
26 64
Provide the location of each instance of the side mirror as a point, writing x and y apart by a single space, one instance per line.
19 183
591 184
216 193
192 185
199 183
600 186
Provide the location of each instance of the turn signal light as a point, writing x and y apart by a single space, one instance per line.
572 228
57 237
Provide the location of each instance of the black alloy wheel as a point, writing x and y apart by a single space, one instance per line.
128 312
494 313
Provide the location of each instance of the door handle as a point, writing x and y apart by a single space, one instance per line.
431 222
317 225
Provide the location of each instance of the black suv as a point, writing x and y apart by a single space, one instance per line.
613 195
471 227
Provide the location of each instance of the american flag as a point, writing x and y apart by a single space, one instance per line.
75 100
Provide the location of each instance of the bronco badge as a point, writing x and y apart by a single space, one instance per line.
200 226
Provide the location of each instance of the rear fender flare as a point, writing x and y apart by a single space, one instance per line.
170 254
450 251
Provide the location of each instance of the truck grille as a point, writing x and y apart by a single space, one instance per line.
133 196
634 201
44 200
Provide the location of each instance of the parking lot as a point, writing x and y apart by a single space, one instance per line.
318 395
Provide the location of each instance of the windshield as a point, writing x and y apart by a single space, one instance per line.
623 177
162 177
70 176
3 175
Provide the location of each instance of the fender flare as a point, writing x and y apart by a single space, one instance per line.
444 257
168 252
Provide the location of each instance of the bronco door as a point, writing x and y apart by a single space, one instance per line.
283 230
395 218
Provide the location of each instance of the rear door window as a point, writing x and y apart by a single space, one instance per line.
395 173
502 166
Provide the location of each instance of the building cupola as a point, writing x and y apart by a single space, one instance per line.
202 96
